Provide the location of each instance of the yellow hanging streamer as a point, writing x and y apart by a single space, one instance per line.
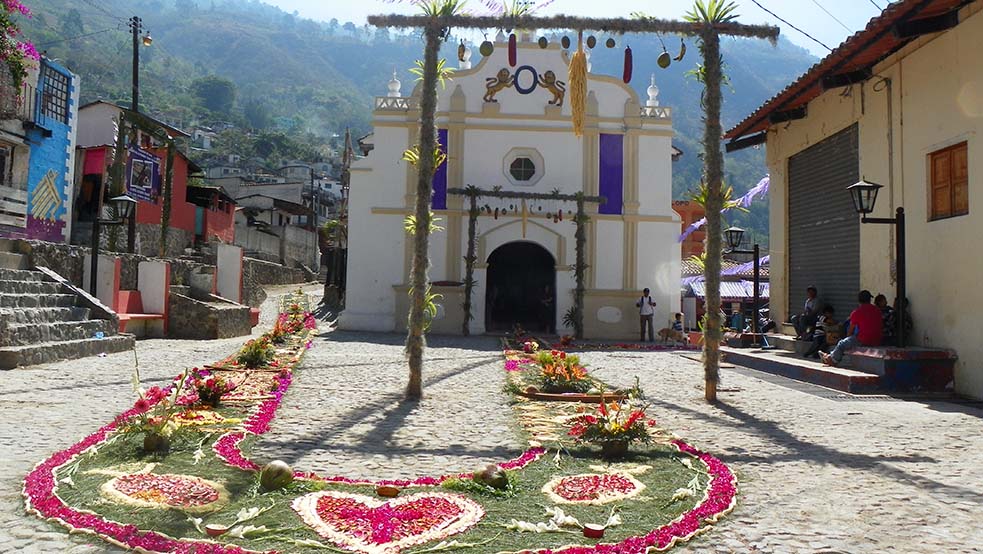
577 81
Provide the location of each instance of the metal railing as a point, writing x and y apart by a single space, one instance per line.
22 106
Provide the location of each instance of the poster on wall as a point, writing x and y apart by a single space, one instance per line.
142 175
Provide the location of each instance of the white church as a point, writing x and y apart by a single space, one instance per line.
508 128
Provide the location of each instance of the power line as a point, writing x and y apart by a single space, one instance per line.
49 43
103 10
773 14
876 6
816 2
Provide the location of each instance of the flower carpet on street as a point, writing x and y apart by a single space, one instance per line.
174 472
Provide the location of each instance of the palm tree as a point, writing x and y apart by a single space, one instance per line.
710 73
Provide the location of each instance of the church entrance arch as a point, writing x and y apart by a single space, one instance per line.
521 288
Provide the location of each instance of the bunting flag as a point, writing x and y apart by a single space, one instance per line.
761 189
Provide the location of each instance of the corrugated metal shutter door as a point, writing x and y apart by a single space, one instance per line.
824 229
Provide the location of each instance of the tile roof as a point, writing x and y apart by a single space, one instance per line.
859 52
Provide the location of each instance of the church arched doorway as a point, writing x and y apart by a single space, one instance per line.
521 288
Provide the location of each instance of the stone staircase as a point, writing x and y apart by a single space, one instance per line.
41 321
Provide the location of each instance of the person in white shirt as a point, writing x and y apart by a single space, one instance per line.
646 311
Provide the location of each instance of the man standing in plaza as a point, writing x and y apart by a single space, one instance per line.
646 311
866 328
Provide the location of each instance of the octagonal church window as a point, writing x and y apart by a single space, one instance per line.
522 169
523 166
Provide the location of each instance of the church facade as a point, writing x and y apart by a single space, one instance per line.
508 129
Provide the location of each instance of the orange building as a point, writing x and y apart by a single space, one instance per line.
690 212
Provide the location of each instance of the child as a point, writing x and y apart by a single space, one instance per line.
819 333
678 324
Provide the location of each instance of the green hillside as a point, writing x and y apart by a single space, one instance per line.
311 79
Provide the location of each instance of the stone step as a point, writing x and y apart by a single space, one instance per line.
789 343
21 300
21 334
791 365
15 356
44 315
21 275
29 287
9 260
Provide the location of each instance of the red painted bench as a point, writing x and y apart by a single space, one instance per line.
130 309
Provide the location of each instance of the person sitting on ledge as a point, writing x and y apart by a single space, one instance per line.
865 329
819 332
810 311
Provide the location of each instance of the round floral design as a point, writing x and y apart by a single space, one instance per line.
183 492
593 488
369 525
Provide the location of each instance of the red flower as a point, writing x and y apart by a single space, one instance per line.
142 405
563 355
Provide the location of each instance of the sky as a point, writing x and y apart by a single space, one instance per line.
808 15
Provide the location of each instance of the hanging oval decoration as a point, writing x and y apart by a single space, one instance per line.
565 43
629 66
518 84
513 50
461 49
591 41
665 60
561 215
609 43
543 43
496 213
486 48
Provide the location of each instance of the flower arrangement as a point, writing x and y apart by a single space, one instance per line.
566 340
19 55
560 373
530 347
256 353
154 412
208 386
613 423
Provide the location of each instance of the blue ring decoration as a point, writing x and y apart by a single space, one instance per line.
535 79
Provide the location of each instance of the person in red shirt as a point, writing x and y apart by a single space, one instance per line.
866 328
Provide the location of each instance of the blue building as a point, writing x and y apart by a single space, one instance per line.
38 128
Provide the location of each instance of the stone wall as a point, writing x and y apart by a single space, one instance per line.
148 240
268 273
197 320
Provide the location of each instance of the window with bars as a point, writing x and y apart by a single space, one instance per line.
6 165
54 94
949 195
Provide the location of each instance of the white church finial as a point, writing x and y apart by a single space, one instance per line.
466 62
653 91
394 86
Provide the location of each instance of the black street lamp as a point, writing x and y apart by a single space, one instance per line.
864 196
136 26
734 236
124 207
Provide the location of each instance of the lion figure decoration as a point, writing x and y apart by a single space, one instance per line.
496 84
549 82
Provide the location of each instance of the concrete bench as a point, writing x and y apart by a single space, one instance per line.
132 319
906 369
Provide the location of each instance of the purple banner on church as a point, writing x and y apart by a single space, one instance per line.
439 201
611 177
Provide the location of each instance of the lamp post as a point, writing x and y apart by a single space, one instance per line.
864 196
734 236
123 206
136 26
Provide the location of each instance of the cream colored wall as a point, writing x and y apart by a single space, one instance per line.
376 243
937 95
609 268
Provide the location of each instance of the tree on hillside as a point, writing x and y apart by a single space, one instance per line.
257 114
350 28
71 23
215 93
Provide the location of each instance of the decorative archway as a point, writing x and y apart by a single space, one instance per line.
521 288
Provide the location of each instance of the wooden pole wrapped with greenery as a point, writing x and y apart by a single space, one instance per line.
165 212
117 185
708 20
580 269
469 260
